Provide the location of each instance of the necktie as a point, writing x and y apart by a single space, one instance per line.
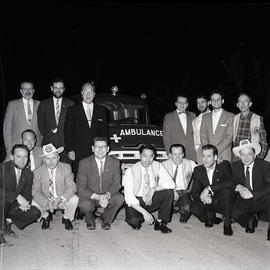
18 175
89 117
57 111
248 179
29 112
175 173
146 186
100 175
51 196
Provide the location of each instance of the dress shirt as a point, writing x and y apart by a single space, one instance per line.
85 107
25 105
250 173
32 161
99 163
215 119
53 179
183 119
16 173
54 104
210 172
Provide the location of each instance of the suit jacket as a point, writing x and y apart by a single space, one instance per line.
37 152
8 183
47 122
173 132
222 138
78 135
260 177
64 181
222 178
88 179
15 123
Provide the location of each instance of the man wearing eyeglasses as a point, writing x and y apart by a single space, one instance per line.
21 114
98 183
51 116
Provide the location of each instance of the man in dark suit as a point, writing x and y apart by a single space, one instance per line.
51 116
84 121
178 129
98 182
15 192
212 189
252 184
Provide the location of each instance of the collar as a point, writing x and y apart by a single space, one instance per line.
178 112
26 100
250 166
211 168
218 112
55 99
98 160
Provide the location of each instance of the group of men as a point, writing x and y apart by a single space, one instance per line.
36 181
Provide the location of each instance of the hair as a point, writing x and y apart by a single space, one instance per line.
202 96
181 95
244 94
219 92
89 84
16 146
56 80
148 147
30 131
210 146
177 145
101 139
26 81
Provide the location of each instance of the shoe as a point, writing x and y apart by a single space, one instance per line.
268 233
105 226
184 217
91 226
79 214
227 230
136 228
217 220
209 220
68 224
45 223
250 227
2 238
8 230
161 226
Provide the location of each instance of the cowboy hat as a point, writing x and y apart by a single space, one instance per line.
50 148
247 144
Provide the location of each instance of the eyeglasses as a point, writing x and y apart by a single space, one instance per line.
59 88
103 147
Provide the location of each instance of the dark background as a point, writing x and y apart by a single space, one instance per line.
159 48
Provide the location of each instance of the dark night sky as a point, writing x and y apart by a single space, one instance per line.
139 46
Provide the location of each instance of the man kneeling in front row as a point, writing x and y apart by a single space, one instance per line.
145 192
54 187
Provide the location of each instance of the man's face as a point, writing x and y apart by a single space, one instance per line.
177 155
58 89
244 103
147 157
208 158
247 156
29 140
181 104
88 93
216 101
100 149
20 158
27 90
202 104
51 160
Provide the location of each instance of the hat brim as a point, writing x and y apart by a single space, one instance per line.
255 146
59 151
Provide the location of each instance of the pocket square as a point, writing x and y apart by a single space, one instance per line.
100 119
223 125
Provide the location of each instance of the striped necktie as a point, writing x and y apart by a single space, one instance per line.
57 111
29 112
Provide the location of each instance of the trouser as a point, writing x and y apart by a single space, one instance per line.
221 203
20 218
89 206
69 208
243 209
183 202
162 200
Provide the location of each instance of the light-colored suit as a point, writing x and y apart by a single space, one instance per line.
173 133
222 138
15 123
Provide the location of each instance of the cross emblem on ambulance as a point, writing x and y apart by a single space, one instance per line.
115 138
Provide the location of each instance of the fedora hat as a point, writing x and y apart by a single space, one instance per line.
50 148
247 144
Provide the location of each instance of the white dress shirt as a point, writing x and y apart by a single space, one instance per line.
98 161
210 172
18 174
32 161
183 120
86 110
250 173
54 104
215 119
25 105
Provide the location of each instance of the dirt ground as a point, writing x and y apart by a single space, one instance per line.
189 246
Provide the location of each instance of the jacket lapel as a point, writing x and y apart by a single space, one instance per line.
21 181
220 121
216 174
205 177
178 123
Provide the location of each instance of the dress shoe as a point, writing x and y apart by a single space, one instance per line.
2 239
184 217
216 220
250 227
45 223
68 224
209 219
161 226
227 230
105 226
8 230
91 226
136 228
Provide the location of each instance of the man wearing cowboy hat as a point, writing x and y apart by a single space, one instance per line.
252 185
54 187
